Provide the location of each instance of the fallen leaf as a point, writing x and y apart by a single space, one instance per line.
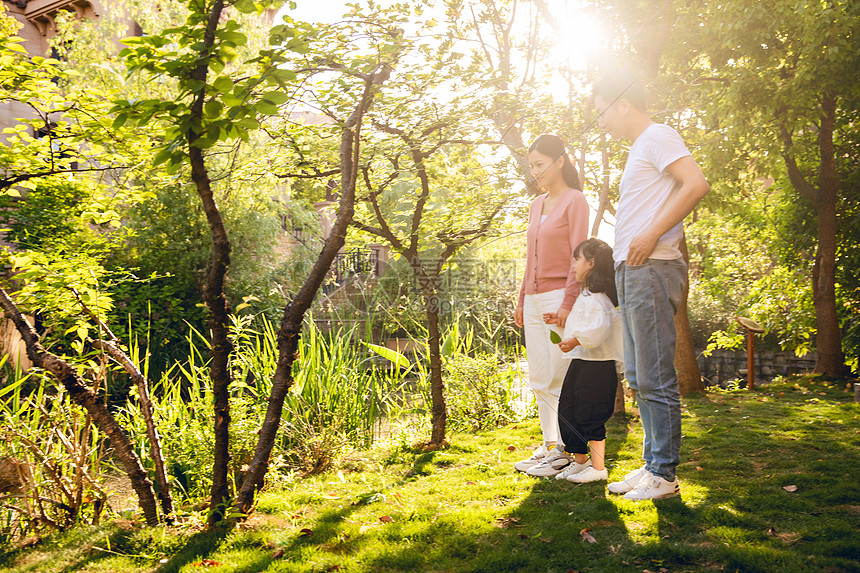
587 536
523 536
206 563
789 538
305 532
515 427
386 519
790 488
511 448
698 468
544 540
334 568
278 554
504 522
470 483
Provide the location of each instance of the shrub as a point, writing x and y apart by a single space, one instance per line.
480 393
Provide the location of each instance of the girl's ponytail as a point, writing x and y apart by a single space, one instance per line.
602 275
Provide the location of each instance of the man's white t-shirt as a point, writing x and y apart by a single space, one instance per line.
646 186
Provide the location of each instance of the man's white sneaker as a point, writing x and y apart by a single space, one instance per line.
572 469
653 487
588 475
551 465
539 454
629 481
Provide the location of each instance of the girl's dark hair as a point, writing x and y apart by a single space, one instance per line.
553 147
602 276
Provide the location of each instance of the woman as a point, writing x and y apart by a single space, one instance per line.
558 222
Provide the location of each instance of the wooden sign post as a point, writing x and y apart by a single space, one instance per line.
752 327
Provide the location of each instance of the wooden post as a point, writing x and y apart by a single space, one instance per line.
751 327
750 360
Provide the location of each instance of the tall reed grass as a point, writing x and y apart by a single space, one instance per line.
52 458
338 398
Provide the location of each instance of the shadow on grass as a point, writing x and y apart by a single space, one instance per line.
739 452
196 548
539 532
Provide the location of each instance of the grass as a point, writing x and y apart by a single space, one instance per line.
464 509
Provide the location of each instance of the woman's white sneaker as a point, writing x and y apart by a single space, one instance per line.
588 475
653 487
553 464
629 482
539 454
573 468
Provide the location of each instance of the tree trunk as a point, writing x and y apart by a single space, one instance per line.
218 318
689 376
829 359
155 450
82 395
603 200
619 396
291 322
439 408
213 292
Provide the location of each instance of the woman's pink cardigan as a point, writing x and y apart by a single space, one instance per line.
549 254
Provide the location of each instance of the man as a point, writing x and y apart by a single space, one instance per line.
660 185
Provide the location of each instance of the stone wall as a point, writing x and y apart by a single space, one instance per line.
724 365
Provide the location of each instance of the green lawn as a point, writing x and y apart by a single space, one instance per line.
465 509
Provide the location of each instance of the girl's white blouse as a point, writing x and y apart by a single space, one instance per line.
596 323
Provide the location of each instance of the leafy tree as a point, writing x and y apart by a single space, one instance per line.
210 106
770 79
357 70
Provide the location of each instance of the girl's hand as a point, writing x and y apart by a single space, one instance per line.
549 317
561 317
568 345
518 316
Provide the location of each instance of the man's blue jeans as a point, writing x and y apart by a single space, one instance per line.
648 296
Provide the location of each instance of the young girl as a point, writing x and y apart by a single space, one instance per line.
593 341
558 222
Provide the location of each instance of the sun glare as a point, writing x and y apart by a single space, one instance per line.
580 37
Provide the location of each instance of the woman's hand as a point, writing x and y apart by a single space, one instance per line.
568 345
561 317
518 316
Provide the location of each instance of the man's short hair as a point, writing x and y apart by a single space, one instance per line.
621 84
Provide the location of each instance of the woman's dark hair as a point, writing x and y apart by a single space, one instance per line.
602 276
553 147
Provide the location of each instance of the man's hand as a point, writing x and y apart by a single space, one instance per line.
518 316
568 345
641 248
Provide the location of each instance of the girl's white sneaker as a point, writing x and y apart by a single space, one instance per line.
588 475
573 468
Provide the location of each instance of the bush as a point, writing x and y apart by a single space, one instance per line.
480 394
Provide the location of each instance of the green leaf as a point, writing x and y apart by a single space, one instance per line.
223 84
389 354
276 97
554 337
266 108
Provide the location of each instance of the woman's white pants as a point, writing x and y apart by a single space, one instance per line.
547 367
